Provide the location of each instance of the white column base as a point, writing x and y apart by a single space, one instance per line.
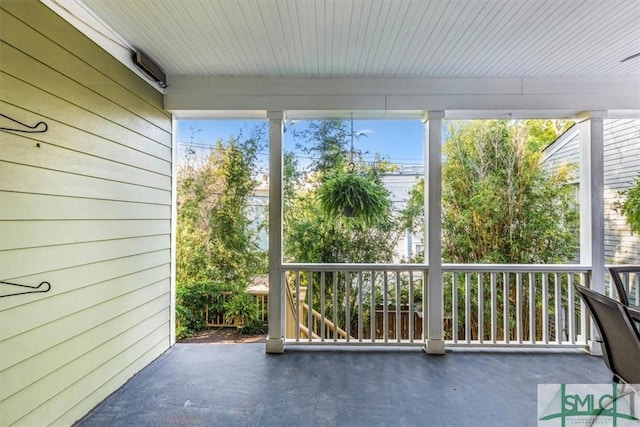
434 347
595 348
275 345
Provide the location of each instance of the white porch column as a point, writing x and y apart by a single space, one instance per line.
433 230
275 339
592 202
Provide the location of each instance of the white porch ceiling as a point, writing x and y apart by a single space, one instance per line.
525 42
392 38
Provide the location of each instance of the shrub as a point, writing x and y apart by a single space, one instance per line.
630 207
242 305
192 301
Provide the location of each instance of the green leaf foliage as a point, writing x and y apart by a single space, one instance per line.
630 206
360 197
216 238
498 205
315 228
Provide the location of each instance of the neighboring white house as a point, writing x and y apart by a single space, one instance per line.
621 167
399 183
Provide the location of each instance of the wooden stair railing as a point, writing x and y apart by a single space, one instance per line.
330 328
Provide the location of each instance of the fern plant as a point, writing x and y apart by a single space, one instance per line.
356 196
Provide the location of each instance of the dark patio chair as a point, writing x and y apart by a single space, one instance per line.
616 275
620 338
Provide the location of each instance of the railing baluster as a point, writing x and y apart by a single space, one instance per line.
425 303
385 307
467 308
298 319
506 316
398 308
310 304
480 308
494 307
532 308
372 316
411 331
322 307
519 303
454 307
335 306
558 307
571 315
347 310
545 307
360 331
584 316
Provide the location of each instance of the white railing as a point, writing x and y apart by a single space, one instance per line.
366 304
483 305
514 305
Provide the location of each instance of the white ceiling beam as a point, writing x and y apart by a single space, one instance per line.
560 97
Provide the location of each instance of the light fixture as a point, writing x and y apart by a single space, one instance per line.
150 68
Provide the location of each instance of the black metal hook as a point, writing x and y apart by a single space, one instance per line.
32 129
34 289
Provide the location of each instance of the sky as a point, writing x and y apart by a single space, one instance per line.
399 141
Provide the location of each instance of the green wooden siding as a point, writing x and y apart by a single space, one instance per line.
85 206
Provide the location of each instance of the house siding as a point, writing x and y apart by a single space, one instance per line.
621 167
85 206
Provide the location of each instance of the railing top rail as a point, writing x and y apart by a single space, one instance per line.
462 268
517 268
352 267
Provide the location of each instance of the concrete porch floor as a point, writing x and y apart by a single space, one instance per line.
240 385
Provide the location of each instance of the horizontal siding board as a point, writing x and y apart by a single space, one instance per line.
45 337
47 105
62 136
27 179
75 278
34 16
31 234
60 402
60 159
88 351
100 383
39 75
105 381
21 206
24 318
52 258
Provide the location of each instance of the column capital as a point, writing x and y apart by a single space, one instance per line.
586 115
432 114
275 115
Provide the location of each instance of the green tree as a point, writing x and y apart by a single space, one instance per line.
498 204
215 238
